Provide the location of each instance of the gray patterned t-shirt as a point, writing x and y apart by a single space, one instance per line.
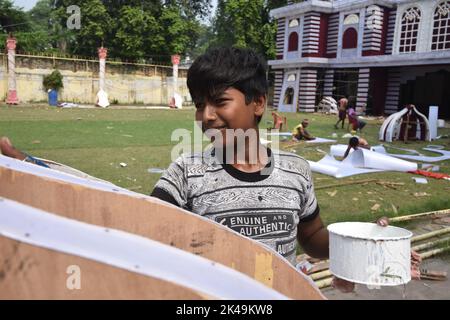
265 206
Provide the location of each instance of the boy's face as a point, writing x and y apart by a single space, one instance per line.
229 113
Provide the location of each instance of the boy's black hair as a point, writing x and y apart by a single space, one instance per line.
221 68
354 141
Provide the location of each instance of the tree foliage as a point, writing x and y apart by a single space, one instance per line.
142 30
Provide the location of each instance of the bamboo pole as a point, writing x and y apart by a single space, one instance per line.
430 234
345 184
431 244
420 215
434 252
320 275
324 283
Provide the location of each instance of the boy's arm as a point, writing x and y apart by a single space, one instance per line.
347 152
164 196
313 237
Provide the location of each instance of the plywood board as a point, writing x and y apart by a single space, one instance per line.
157 220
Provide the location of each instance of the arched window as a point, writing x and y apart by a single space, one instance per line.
409 30
441 27
350 39
293 42
288 96
351 19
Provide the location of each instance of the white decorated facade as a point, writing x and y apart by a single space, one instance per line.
381 53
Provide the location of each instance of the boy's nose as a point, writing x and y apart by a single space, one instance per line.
209 113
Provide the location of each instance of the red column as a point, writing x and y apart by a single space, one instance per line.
11 98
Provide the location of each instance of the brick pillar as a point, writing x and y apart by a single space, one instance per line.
277 87
307 90
11 98
102 96
363 90
102 53
328 83
175 102
393 91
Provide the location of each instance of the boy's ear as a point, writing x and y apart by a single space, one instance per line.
260 105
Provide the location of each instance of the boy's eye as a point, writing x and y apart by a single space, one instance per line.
221 102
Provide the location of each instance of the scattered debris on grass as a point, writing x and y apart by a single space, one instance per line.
375 207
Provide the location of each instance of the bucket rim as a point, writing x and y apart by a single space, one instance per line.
332 229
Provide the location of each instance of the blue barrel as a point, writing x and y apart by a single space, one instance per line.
53 97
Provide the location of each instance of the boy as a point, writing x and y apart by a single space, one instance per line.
270 200
300 133
343 102
356 143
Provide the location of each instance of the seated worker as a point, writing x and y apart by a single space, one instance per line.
300 133
355 143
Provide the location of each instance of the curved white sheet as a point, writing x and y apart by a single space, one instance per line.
127 251
358 162
445 155
26 167
390 128
338 169
29 168
338 150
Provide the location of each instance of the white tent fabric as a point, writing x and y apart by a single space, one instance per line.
125 250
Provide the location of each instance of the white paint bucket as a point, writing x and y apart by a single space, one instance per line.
369 254
441 123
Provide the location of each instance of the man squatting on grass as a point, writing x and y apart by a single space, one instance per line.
266 195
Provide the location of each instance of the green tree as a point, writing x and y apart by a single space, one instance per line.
12 18
138 33
245 23
95 22
180 33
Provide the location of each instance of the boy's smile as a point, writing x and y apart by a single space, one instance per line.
229 111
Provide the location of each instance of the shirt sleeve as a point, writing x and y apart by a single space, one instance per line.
311 207
172 186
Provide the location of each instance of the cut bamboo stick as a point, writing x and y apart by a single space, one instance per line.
324 283
430 234
321 275
434 252
420 215
345 184
430 244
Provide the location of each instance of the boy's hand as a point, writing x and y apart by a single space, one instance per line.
415 257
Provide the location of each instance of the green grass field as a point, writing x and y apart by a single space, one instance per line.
96 141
